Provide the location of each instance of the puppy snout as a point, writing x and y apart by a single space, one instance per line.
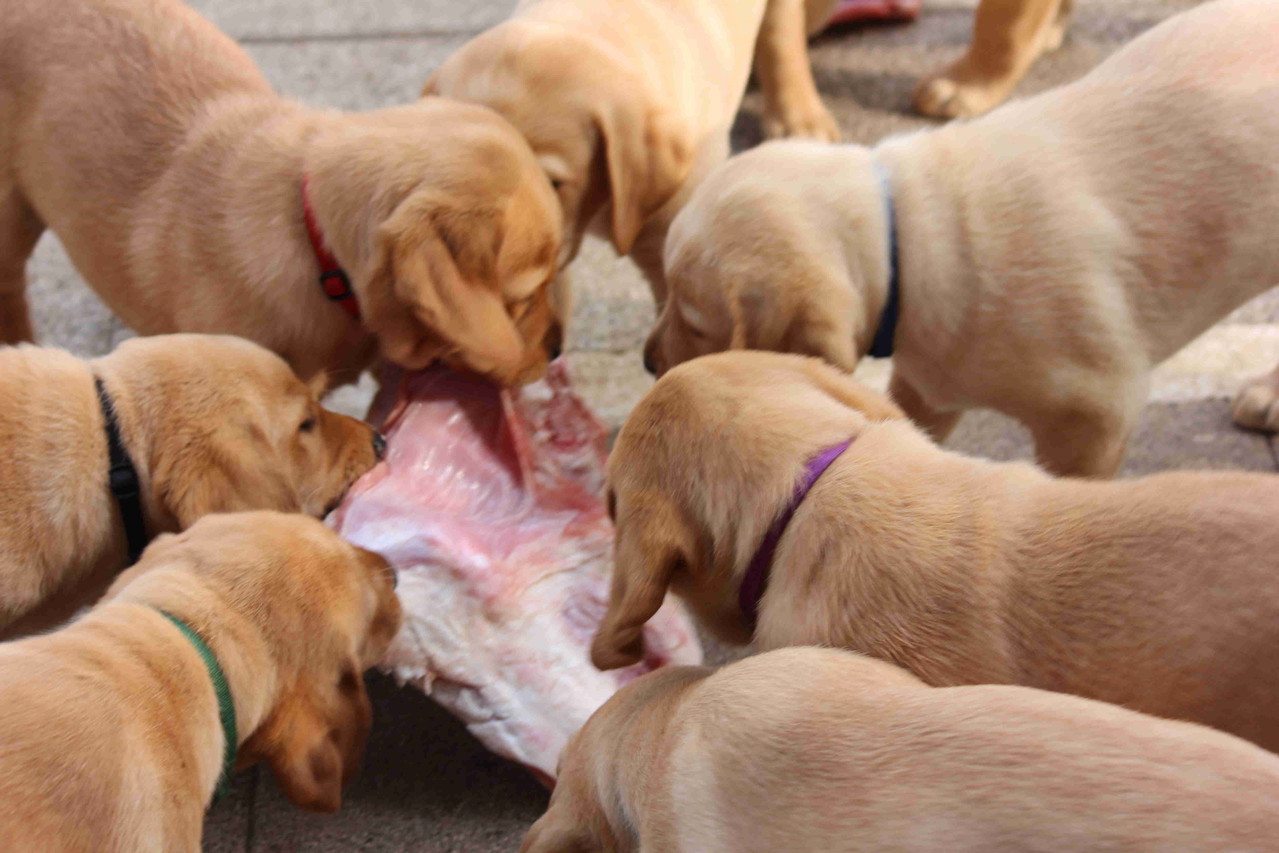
554 342
650 364
379 445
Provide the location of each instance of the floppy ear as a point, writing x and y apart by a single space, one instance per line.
434 292
651 549
649 155
314 739
201 482
854 395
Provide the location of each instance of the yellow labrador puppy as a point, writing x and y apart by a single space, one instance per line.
1038 261
628 103
821 751
1008 36
193 198
242 640
102 455
784 501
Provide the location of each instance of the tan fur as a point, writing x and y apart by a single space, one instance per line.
820 751
628 103
1008 36
110 726
1050 253
211 423
1155 593
173 175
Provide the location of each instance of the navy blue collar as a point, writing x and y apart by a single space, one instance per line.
886 334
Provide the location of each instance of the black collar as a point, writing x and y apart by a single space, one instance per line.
123 479
886 334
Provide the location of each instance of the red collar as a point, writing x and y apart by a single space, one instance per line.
333 279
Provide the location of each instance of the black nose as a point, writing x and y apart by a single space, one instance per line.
379 445
648 363
554 351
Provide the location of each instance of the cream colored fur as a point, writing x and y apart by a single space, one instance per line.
821 751
172 173
1051 253
628 103
110 729
1155 593
211 424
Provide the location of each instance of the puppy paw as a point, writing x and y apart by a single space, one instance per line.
812 121
1256 405
947 95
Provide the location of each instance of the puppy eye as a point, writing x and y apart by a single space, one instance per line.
307 425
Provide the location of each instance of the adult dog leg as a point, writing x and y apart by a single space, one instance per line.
1008 36
792 106
20 230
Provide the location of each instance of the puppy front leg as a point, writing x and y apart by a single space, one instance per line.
937 424
1008 36
1082 443
20 230
792 106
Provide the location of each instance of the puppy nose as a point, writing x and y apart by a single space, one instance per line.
379 445
648 362
554 343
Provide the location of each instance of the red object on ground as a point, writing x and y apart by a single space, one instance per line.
489 505
858 11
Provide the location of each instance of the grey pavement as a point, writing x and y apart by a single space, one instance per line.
427 785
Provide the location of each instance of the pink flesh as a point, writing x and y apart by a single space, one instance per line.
489 505
856 11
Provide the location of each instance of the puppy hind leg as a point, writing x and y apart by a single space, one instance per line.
1256 406
1008 36
1082 443
937 424
792 106
20 230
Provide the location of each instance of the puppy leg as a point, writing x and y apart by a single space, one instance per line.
1256 405
1008 36
792 106
937 424
20 230
1082 443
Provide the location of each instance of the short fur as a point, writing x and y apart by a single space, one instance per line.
1008 36
211 424
173 173
1049 253
628 103
1155 593
110 730
821 751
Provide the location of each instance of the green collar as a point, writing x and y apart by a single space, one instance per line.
226 708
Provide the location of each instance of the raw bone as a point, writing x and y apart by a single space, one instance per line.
489 505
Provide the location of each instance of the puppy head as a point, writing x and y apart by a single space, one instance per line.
700 470
603 137
777 250
454 236
320 609
228 426
583 814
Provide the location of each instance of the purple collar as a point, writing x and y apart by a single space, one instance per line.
756 579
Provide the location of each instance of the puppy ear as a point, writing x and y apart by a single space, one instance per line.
651 547
318 384
854 395
434 293
649 154
557 833
202 481
314 739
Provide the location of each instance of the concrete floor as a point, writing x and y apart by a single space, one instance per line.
427 785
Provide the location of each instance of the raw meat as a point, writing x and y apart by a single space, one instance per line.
489 505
